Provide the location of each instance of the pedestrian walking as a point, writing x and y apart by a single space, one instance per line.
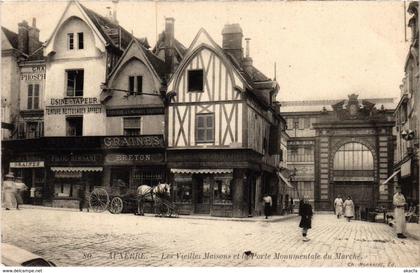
348 208
291 205
9 189
306 221
268 203
338 206
20 189
399 214
83 196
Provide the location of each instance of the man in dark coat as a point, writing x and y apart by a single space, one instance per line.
306 220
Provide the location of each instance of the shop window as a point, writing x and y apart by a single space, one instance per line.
74 126
33 96
195 80
70 41
75 83
183 189
80 40
131 126
204 128
64 188
145 177
120 177
135 84
222 190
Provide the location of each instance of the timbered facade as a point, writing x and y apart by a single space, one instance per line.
219 124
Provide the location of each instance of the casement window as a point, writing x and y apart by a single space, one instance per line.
70 41
135 84
74 126
80 40
195 80
204 128
131 126
75 80
33 96
307 123
34 129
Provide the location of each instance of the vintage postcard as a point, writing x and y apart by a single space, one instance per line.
210 134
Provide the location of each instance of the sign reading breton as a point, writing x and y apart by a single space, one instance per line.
73 106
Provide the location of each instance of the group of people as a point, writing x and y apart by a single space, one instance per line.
12 191
345 208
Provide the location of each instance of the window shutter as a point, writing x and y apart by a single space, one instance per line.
273 140
36 96
30 94
139 84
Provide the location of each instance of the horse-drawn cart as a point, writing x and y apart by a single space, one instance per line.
112 199
120 199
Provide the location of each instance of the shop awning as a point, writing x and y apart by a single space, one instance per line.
389 178
285 180
76 169
201 171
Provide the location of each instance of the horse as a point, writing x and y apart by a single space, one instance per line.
147 193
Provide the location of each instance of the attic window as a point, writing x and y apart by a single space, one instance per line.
195 80
80 40
135 84
70 41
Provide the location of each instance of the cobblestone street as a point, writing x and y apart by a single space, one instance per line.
71 238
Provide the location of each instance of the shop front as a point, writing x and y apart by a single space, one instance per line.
131 161
71 171
222 182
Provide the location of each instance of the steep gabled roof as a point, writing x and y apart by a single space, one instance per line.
11 36
105 26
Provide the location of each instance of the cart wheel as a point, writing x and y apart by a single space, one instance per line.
116 205
99 200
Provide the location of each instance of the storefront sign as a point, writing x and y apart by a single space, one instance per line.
76 158
74 110
133 142
32 164
68 175
33 73
130 159
134 111
406 169
73 106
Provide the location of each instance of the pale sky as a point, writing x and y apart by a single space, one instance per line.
323 50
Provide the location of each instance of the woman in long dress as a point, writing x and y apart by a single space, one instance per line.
348 208
9 190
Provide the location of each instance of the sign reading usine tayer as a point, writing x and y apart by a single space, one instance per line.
73 101
133 142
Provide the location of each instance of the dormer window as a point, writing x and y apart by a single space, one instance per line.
195 80
70 41
80 40
135 84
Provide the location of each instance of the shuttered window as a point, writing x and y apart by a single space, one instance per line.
204 124
33 96
131 126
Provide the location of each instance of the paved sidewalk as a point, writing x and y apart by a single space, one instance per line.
72 238
275 218
413 230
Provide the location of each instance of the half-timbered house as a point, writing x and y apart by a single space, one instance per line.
223 149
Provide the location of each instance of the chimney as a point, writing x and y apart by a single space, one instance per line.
169 43
232 40
247 61
33 38
23 36
114 11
